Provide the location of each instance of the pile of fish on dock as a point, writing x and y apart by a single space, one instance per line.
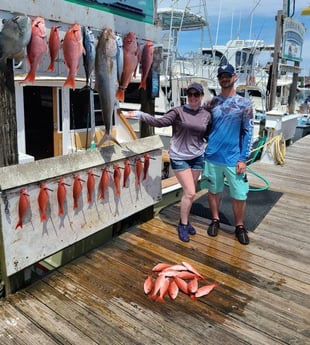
172 278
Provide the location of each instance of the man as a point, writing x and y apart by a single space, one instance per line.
229 146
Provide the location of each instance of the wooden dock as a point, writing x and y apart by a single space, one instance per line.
262 297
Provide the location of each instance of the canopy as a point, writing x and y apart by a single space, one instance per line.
183 20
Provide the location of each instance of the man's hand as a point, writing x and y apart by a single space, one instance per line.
241 168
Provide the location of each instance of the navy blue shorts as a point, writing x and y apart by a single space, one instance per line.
194 164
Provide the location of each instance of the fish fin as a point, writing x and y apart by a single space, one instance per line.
30 77
120 95
43 217
70 82
108 137
19 224
51 67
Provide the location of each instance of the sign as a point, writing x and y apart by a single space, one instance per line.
293 35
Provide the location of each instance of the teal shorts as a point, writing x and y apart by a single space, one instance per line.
213 178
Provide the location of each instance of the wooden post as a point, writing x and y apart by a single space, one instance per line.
8 128
276 55
292 95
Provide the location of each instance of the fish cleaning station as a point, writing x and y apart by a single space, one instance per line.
69 187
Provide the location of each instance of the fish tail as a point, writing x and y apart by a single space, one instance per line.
142 85
70 82
75 205
108 137
51 67
19 224
120 94
60 211
89 199
30 77
43 217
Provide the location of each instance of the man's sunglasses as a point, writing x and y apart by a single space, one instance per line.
195 94
225 76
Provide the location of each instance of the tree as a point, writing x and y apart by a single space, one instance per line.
8 128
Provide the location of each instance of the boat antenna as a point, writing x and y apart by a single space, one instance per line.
218 22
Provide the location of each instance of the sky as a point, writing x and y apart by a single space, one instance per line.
241 19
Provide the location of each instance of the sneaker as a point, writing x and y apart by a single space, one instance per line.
213 228
191 229
242 235
183 232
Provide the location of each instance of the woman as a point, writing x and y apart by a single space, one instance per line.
189 126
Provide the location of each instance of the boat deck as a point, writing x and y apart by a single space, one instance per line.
262 297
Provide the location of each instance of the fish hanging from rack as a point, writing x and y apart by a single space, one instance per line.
43 200
77 190
73 49
117 175
36 48
14 37
130 52
61 196
139 168
106 80
23 207
90 54
119 57
104 182
127 170
53 46
146 62
90 186
146 165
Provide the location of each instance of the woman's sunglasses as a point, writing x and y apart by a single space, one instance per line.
195 94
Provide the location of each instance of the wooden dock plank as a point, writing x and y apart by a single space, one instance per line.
262 297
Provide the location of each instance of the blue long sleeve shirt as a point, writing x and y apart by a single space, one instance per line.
230 138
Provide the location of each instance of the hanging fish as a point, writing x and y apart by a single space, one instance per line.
117 175
130 64
43 199
72 47
106 80
119 57
146 62
90 185
138 59
36 48
53 45
127 170
138 170
14 37
104 182
90 54
77 190
23 206
61 196
146 165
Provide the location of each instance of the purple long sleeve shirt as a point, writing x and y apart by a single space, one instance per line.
188 130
